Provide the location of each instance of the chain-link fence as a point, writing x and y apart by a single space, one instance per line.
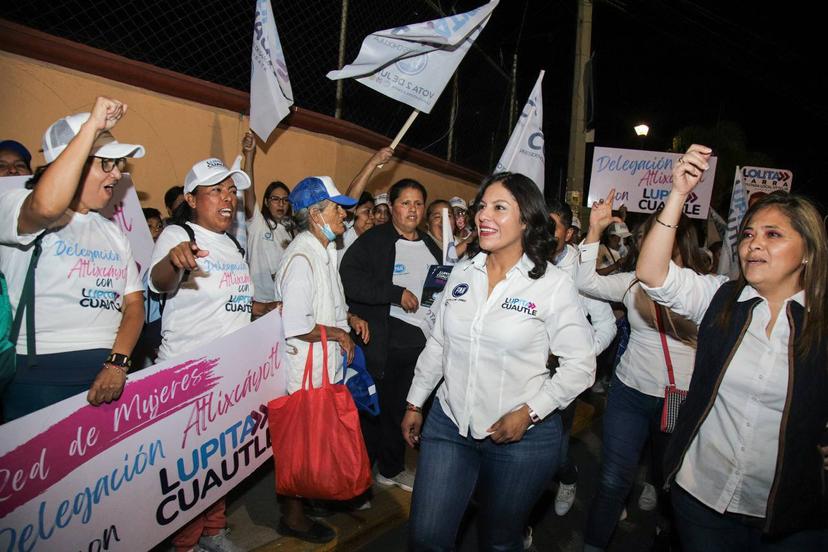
211 40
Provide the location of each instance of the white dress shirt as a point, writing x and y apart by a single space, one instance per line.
490 350
600 313
731 462
642 366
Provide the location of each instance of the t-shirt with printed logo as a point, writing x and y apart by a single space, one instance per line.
215 300
85 269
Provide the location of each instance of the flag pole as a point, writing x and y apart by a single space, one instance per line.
402 131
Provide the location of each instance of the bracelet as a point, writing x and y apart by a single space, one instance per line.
673 226
413 408
119 360
122 369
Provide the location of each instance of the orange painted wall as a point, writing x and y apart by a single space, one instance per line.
176 133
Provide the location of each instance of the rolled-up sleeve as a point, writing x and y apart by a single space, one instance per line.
685 292
570 339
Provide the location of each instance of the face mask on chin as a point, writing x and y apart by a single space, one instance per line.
326 230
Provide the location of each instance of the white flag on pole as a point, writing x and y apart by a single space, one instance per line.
524 151
270 92
413 63
729 257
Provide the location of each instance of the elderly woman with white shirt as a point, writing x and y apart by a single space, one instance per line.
309 286
744 461
495 425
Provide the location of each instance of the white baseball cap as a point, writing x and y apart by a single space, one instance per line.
381 199
619 229
459 202
61 132
212 171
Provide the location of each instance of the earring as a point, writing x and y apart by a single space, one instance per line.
805 261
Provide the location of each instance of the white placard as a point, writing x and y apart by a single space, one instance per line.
643 179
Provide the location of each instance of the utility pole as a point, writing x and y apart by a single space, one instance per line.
577 124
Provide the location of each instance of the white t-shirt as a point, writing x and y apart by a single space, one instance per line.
410 270
265 246
85 270
214 301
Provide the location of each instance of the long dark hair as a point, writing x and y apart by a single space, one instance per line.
538 237
266 203
807 222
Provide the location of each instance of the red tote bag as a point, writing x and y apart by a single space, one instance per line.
317 441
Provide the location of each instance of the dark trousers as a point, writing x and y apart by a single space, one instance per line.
56 377
703 529
630 419
383 433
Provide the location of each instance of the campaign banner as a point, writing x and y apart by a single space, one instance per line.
729 256
126 475
413 63
124 209
270 93
643 179
763 181
524 151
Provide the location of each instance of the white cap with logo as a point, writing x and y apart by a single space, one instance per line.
61 132
212 171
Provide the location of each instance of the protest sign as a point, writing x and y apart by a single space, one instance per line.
524 151
270 93
124 209
183 433
729 256
765 181
643 179
413 63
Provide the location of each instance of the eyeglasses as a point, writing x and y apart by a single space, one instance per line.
108 164
277 199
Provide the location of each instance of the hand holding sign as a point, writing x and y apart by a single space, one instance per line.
688 170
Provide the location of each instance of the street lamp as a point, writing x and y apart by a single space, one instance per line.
641 129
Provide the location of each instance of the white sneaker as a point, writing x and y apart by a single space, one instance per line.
527 537
623 515
565 498
404 480
219 543
648 499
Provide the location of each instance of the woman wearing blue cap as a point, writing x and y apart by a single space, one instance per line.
310 289
15 159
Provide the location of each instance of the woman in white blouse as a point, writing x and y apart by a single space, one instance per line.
495 424
636 395
745 455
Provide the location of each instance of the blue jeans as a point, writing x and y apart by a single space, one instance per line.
630 419
703 529
509 479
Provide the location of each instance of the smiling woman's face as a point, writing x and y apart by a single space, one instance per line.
498 220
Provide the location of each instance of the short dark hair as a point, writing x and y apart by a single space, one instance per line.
172 194
562 209
365 197
150 212
538 238
403 184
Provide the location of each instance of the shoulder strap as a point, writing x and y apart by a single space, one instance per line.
26 304
235 241
664 347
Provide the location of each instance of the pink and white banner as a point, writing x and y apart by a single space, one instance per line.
126 475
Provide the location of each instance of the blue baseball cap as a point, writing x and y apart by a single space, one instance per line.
313 189
18 148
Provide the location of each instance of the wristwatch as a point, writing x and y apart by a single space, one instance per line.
532 416
119 360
